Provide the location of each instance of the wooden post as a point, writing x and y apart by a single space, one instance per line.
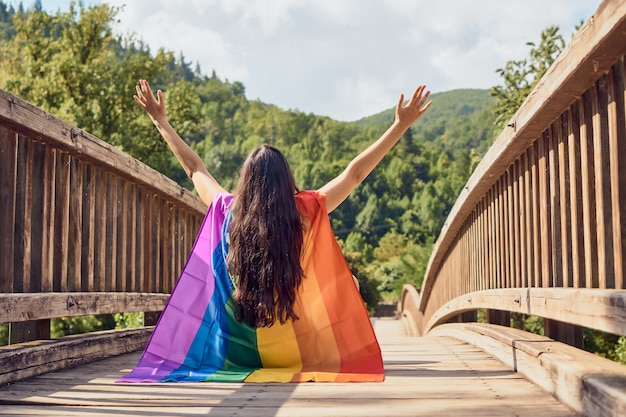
150 318
563 332
29 330
467 317
502 318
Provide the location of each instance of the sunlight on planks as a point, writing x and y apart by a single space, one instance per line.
431 376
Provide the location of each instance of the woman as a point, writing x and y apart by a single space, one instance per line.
281 304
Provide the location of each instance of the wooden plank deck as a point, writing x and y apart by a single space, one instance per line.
431 376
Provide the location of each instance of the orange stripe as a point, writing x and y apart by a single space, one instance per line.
313 329
334 333
354 336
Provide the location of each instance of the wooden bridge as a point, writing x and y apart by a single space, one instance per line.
539 229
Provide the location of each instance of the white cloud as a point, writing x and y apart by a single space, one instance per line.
364 95
269 16
347 58
345 12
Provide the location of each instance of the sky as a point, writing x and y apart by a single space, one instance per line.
346 59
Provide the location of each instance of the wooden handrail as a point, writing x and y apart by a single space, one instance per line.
24 307
546 207
82 221
408 309
603 309
38 126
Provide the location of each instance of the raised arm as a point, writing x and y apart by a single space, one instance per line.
339 188
204 182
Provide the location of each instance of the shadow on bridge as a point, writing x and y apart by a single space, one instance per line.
424 377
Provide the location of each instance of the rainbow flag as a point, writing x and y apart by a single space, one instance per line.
198 339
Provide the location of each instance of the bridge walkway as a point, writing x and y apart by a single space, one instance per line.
425 376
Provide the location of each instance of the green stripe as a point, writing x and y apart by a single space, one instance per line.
242 355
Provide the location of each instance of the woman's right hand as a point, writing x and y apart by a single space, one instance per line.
154 106
417 105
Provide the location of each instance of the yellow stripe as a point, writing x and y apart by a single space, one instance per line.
272 375
279 352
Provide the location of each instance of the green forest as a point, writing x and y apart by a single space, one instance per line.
73 65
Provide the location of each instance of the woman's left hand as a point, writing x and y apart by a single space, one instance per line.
417 105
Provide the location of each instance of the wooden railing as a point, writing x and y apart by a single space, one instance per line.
85 229
540 230
540 227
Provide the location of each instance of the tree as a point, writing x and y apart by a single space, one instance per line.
358 254
398 261
4 334
7 30
71 65
64 326
521 76
63 57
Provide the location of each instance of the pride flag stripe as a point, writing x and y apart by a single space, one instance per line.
198 338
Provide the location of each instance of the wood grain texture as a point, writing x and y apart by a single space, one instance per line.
591 385
592 51
69 201
605 310
24 118
8 160
33 358
424 377
23 307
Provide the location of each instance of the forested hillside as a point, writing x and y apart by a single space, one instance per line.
74 66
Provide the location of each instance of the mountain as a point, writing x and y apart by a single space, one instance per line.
448 104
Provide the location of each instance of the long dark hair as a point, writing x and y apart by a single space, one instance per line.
265 240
